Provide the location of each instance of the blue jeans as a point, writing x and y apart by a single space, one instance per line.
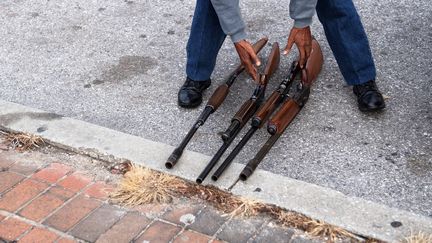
342 26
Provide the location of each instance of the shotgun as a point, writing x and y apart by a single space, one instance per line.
289 109
260 118
212 105
245 112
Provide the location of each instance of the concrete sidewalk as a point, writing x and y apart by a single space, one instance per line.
357 215
51 195
119 64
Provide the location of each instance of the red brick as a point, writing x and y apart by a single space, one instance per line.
98 222
5 163
174 214
66 240
23 169
22 193
152 210
159 232
38 235
42 206
75 182
61 192
11 228
126 229
52 173
99 190
191 237
8 180
71 213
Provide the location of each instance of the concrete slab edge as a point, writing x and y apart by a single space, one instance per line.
354 214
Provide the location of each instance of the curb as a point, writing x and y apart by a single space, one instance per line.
354 214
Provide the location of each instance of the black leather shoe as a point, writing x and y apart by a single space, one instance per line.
369 98
190 94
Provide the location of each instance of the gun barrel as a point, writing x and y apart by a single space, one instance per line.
253 163
252 105
234 153
235 124
215 159
177 153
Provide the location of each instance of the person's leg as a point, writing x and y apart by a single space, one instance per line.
205 40
347 39
350 46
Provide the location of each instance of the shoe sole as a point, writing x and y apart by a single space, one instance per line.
189 106
378 108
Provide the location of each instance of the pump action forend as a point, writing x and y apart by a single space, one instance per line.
260 118
246 111
289 109
212 105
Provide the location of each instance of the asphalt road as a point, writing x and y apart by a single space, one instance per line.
119 64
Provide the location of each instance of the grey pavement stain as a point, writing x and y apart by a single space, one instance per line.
97 82
420 165
128 66
14 117
42 129
77 27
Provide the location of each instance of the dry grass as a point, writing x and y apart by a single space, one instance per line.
24 141
290 219
418 238
144 186
318 228
245 208
313 227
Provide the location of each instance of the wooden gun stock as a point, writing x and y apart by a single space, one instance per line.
218 96
245 112
259 45
265 111
290 108
250 107
272 64
314 64
222 91
283 117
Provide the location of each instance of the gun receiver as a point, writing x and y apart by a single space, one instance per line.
284 116
261 117
213 104
245 112
290 108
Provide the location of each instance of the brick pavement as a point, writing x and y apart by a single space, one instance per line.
54 202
